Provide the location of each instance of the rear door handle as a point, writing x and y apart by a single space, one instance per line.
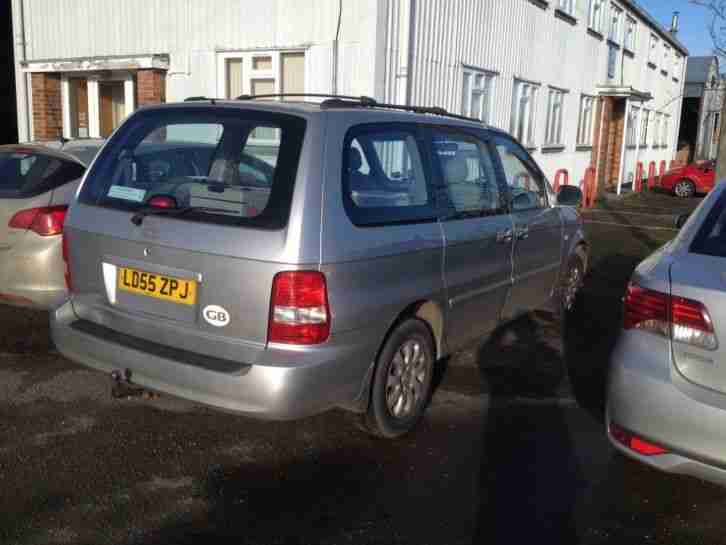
504 236
522 233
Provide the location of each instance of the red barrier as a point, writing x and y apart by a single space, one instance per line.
651 175
661 171
589 188
558 174
638 181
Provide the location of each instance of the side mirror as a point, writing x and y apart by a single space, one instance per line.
681 220
569 195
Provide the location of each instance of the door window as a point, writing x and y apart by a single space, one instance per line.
527 186
469 182
384 178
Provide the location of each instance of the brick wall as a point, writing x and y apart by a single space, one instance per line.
47 106
150 87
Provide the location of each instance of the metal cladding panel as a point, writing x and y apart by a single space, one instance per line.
517 39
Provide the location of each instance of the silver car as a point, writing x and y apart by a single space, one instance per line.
667 389
278 259
36 184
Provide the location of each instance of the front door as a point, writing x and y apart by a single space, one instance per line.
537 230
112 105
478 234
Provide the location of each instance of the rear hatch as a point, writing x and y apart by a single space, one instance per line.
28 178
181 227
698 287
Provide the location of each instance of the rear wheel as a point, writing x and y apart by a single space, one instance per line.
684 188
402 381
573 279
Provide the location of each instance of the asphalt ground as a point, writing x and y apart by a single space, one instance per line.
512 449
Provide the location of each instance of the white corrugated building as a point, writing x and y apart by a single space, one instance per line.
580 82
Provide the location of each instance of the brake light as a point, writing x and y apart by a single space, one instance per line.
681 319
162 201
45 221
66 264
635 443
299 312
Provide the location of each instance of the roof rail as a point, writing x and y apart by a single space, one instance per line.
200 98
345 101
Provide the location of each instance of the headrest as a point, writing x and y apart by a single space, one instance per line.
456 169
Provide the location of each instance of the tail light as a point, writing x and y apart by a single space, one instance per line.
299 312
45 221
681 319
635 443
66 264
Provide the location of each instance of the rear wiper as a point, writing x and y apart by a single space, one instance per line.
138 217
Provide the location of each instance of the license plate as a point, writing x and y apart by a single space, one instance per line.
159 286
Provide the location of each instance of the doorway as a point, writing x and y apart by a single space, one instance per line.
112 105
78 102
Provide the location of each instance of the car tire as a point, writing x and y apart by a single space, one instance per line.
401 386
573 279
684 188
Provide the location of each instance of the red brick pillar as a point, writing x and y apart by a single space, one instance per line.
47 106
150 87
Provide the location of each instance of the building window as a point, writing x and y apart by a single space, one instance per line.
584 126
596 15
523 112
666 130
476 101
631 30
666 58
676 66
644 120
632 132
616 15
656 129
653 51
261 73
555 105
568 6
612 61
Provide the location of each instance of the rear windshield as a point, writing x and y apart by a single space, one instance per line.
28 173
229 166
711 237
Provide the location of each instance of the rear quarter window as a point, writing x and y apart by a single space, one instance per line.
28 173
711 237
227 166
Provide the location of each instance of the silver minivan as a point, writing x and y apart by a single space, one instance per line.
278 259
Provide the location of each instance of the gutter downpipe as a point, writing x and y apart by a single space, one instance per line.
21 79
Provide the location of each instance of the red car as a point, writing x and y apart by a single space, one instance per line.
688 180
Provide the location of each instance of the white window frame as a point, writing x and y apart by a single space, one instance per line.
483 94
94 99
676 66
615 23
666 58
665 137
644 127
657 116
248 74
585 128
630 40
596 15
631 138
568 6
527 91
653 50
554 130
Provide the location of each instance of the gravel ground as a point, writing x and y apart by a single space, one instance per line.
512 450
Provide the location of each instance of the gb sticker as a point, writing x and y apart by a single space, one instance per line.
215 315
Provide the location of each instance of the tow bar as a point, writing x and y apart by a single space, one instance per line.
123 388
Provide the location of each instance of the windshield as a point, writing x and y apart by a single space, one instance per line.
233 166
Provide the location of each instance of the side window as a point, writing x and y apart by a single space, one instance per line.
467 173
25 175
526 185
384 177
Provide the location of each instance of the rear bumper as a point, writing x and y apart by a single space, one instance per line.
31 273
291 384
648 397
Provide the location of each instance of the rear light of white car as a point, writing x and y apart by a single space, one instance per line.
681 319
635 443
66 264
45 221
299 312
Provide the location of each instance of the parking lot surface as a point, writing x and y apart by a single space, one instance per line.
512 449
